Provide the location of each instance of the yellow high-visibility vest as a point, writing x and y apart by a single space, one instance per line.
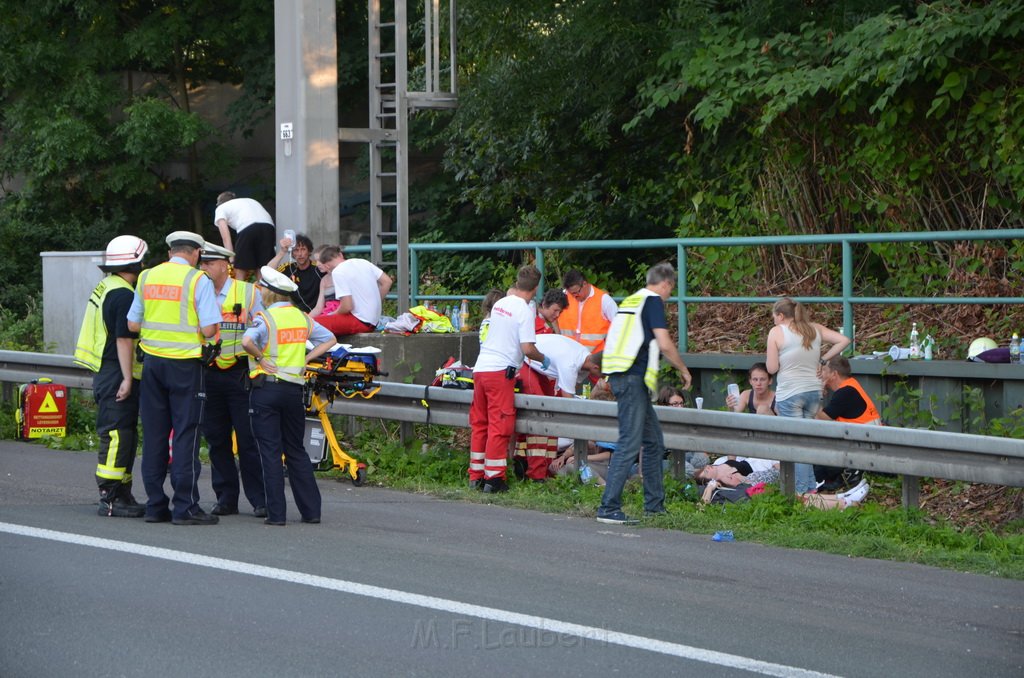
288 328
92 338
170 320
626 340
243 296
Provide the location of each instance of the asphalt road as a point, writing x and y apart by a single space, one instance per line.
400 584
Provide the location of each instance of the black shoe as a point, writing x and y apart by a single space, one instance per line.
200 517
519 467
476 485
162 517
268 521
495 485
222 510
260 511
311 521
119 509
538 480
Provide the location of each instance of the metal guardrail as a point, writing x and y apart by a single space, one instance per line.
848 298
912 453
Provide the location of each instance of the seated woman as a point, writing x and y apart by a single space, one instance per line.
670 396
598 453
759 398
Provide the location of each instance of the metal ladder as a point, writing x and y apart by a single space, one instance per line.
388 134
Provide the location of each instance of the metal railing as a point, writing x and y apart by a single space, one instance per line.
848 298
911 453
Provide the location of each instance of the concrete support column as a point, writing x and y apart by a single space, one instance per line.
306 117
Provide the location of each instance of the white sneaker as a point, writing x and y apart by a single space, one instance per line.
856 495
854 489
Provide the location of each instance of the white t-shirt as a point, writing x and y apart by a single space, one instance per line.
756 465
511 325
240 213
358 278
566 356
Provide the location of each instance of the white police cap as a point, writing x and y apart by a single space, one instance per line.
179 238
277 281
213 252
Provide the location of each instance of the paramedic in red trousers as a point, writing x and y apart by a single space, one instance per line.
589 313
567 358
107 347
359 287
637 339
227 399
492 416
277 345
175 311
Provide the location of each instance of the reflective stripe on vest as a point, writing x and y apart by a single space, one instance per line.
92 338
232 326
288 328
626 334
870 414
592 326
170 322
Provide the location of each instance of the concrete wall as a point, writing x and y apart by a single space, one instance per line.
68 280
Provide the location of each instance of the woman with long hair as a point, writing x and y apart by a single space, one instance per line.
794 356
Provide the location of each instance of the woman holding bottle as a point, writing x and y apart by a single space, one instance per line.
794 356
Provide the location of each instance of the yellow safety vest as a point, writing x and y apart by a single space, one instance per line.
288 328
170 321
92 338
626 340
232 326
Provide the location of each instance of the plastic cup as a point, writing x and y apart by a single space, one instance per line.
733 390
700 403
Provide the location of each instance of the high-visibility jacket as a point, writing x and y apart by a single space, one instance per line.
870 414
288 328
235 313
626 340
170 322
592 326
92 338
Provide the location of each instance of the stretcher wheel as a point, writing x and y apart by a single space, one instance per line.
360 477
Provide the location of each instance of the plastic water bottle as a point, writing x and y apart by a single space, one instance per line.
464 315
586 474
1015 349
290 234
915 343
929 343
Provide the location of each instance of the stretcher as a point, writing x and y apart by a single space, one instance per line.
346 372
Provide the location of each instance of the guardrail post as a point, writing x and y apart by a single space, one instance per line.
787 478
682 292
911 495
848 290
414 278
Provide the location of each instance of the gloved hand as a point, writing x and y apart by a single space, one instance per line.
546 363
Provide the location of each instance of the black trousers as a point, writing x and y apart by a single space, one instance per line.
117 424
227 410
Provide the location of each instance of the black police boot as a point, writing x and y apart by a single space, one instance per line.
113 506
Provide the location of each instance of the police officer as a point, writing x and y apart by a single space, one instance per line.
107 347
277 344
174 311
227 399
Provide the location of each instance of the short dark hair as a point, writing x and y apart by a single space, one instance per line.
554 297
666 393
224 197
328 253
759 366
572 278
304 240
840 366
528 278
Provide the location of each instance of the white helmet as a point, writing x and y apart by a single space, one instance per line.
980 345
125 250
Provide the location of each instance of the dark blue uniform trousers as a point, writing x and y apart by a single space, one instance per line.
171 398
118 421
227 409
278 424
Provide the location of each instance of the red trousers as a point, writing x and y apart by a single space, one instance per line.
492 420
344 323
538 450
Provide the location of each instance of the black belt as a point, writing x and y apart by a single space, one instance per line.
271 379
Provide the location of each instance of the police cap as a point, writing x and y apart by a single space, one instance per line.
213 252
277 281
185 238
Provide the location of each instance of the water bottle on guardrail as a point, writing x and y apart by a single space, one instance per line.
1015 349
915 343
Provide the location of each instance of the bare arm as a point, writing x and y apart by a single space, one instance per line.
319 350
134 326
250 347
739 404
282 249
772 351
209 330
822 416
125 355
839 341
225 234
671 353
531 352
384 283
345 305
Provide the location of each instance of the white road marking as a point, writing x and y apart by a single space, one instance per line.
429 602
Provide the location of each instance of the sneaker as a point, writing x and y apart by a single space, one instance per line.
856 495
260 511
200 517
616 518
222 510
495 486
120 509
854 489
